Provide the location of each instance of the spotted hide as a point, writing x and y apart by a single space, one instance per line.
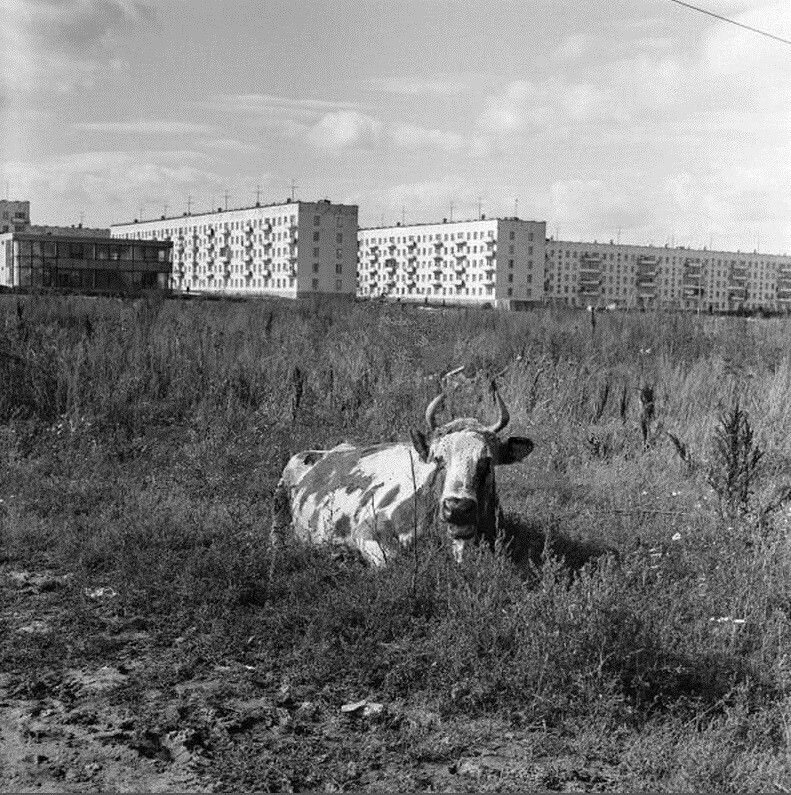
377 499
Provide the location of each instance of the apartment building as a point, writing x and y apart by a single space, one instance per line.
14 215
74 259
627 276
498 261
290 249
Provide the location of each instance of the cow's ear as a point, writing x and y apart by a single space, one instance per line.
419 441
514 450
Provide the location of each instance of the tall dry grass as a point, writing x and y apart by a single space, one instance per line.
140 443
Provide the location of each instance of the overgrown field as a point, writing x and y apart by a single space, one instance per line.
636 636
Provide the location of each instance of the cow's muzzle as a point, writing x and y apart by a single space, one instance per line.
461 513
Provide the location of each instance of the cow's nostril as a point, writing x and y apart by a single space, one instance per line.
458 508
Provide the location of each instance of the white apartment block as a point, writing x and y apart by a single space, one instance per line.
291 249
609 274
14 215
498 261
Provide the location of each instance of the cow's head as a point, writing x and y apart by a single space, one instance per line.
466 452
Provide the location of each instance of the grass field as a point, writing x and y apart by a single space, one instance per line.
638 636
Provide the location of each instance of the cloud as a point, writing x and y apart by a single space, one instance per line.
273 105
345 129
730 51
108 185
153 127
594 207
412 137
570 48
63 45
522 106
416 86
648 43
424 200
229 145
337 126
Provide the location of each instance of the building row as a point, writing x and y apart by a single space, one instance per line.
296 248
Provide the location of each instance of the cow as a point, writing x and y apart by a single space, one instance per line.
380 498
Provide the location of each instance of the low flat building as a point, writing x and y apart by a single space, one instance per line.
74 259
497 261
291 249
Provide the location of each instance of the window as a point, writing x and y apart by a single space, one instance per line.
315 251
511 235
338 267
315 267
315 284
316 236
338 285
339 238
316 220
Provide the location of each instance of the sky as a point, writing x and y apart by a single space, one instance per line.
635 120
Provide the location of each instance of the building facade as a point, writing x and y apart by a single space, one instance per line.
74 259
14 215
291 249
626 276
498 261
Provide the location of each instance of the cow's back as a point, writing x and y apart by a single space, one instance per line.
371 498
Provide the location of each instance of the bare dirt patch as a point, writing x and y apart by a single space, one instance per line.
65 729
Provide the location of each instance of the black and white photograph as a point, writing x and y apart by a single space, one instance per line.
395 396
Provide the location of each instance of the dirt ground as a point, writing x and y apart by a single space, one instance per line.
112 725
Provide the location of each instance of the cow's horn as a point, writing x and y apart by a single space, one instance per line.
432 410
502 409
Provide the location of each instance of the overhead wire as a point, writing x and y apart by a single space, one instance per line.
732 21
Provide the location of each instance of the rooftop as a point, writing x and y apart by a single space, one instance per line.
446 222
221 211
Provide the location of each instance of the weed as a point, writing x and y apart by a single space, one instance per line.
736 462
